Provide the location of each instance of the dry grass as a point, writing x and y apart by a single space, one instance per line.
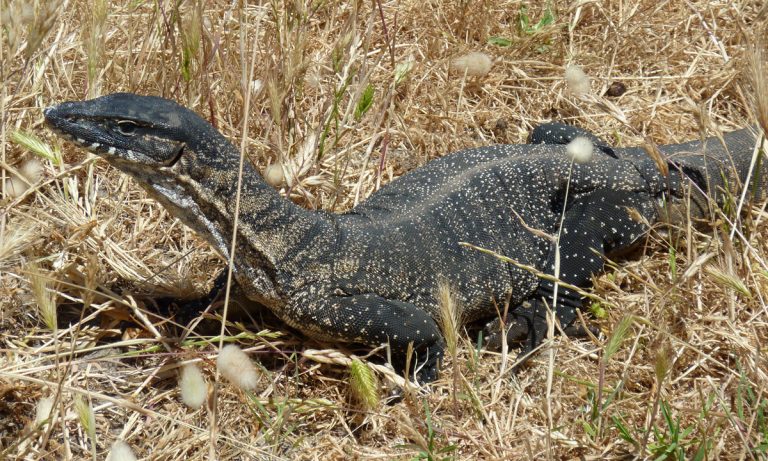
345 97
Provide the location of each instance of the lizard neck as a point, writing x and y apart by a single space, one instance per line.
201 189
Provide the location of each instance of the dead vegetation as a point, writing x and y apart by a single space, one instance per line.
343 97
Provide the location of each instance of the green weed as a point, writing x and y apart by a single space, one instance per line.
432 451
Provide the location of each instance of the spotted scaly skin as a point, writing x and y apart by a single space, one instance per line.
371 275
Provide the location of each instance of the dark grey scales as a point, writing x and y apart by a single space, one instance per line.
371 275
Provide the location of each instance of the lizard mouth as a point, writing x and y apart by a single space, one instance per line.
95 135
176 155
71 128
62 126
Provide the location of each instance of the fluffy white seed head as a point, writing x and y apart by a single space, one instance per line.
577 80
121 452
474 64
580 149
194 389
274 175
15 186
313 79
256 86
43 410
235 365
32 170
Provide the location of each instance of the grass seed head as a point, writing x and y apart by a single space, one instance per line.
194 389
450 315
39 23
43 410
14 241
45 296
663 362
121 452
577 80
580 150
759 76
237 368
474 64
620 333
274 175
86 416
363 384
15 187
32 170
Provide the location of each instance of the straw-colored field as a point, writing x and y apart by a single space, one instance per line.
343 97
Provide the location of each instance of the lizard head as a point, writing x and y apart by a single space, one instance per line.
129 130
180 159
158 142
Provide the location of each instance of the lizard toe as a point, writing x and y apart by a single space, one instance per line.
577 330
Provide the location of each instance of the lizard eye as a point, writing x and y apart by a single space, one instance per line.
126 128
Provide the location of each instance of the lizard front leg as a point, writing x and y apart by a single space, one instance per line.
372 320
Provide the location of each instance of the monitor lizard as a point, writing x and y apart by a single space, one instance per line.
371 275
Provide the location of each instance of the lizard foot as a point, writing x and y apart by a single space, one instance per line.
528 326
425 364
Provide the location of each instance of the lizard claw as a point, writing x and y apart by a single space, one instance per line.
427 368
577 330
